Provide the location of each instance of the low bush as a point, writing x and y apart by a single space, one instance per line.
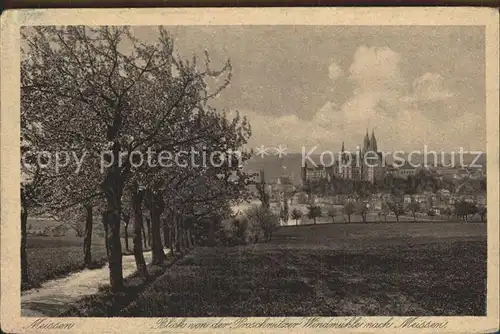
257 224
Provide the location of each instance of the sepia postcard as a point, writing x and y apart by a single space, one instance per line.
250 169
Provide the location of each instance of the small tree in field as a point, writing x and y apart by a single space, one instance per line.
284 214
385 211
448 212
431 214
481 210
332 212
314 212
362 209
472 209
397 207
296 215
349 209
463 209
414 207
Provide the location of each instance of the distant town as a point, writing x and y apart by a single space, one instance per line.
376 191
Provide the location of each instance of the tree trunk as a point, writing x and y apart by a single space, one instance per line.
182 234
87 240
112 219
148 234
211 233
171 236
112 187
183 237
349 216
193 237
166 234
125 232
106 232
24 234
143 231
137 197
155 234
178 236
189 238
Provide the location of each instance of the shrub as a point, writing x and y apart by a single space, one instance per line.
256 224
263 218
239 231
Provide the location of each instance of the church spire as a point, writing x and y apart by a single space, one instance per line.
342 146
373 142
366 143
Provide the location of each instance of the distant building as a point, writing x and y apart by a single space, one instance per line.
283 184
365 165
313 174
476 172
407 199
405 171
299 198
443 193
376 204
436 210
454 172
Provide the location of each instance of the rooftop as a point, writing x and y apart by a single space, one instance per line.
406 165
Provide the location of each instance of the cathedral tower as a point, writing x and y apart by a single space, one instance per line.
373 142
366 142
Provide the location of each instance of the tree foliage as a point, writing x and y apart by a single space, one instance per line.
397 207
332 212
413 207
314 212
296 215
101 94
349 209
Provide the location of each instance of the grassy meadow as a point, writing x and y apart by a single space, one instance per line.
420 269
53 257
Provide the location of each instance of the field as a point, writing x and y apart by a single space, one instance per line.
330 270
52 257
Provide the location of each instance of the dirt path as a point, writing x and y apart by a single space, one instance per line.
55 296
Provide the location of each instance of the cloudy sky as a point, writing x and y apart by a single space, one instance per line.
321 85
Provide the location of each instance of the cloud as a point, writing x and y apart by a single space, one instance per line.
334 71
375 73
430 87
325 116
376 69
379 100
